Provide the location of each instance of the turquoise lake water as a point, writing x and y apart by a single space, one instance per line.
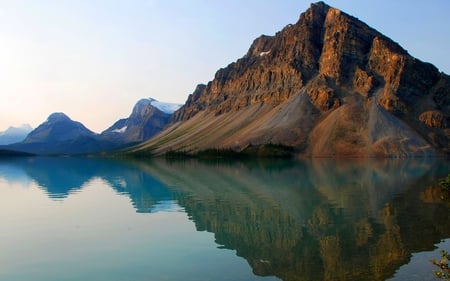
102 219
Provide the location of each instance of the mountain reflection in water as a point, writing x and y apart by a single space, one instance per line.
297 220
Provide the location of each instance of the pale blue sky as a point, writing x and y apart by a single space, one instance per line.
93 59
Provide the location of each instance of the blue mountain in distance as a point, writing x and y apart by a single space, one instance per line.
15 134
58 127
60 135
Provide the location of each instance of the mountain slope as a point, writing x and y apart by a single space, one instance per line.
327 86
148 118
59 135
14 134
58 127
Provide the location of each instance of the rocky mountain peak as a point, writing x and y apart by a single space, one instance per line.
142 107
58 117
327 85
58 127
148 117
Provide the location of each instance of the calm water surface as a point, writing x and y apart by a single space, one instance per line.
98 219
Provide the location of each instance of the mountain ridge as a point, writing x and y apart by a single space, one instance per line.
15 134
328 86
60 135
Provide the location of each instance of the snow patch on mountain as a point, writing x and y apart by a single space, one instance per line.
121 130
165 106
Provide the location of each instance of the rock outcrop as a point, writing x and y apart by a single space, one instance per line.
328 85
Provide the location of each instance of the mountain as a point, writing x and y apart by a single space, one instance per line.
327 86
58 127
148 118
59 135
14 134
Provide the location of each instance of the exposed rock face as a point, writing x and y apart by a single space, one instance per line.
328 86
144 122
434 119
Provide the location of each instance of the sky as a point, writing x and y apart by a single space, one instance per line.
94 59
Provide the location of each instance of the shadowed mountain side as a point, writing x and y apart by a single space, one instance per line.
147 118
311 221
327 86
61 135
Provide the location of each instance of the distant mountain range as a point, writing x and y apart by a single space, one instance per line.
15 134
327 86
61 135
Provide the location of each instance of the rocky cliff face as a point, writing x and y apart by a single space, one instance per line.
328 86
146 120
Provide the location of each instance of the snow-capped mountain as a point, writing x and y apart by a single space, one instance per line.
148 118
15 134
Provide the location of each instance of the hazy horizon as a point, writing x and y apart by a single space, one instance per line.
93 60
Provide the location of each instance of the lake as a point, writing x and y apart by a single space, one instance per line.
105 219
